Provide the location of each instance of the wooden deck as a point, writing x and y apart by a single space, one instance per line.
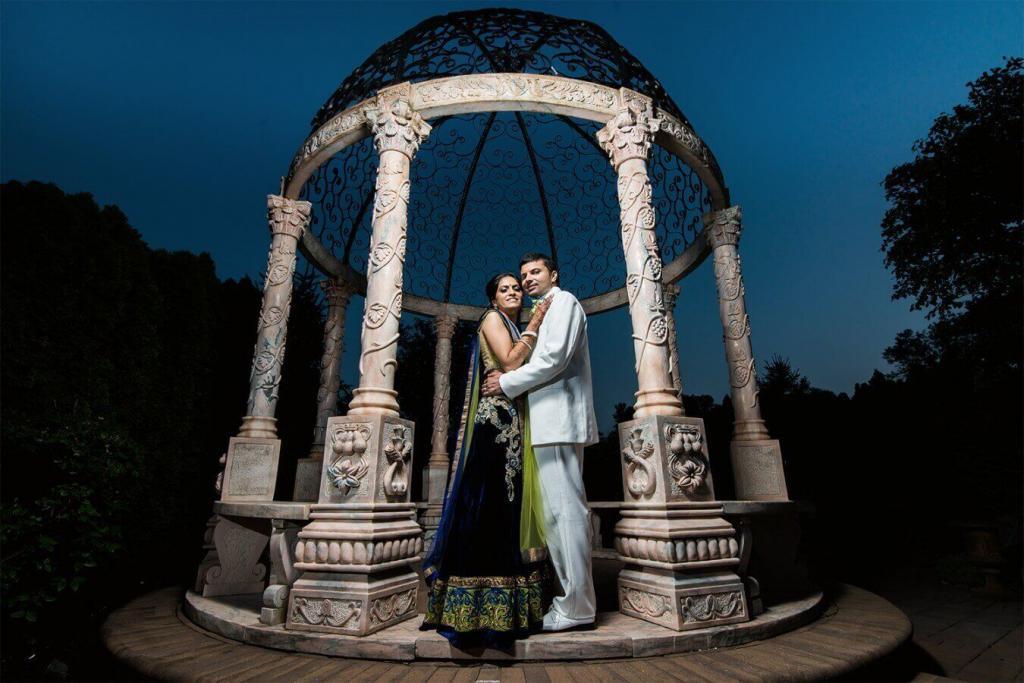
859 628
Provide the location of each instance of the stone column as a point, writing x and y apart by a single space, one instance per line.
250 473
671 295
435 476
358 551
756 457
680 554
288 219
627 138
307 470
398 132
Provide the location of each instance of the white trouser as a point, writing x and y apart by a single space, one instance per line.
567 525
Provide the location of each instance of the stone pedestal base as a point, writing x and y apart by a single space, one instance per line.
681 562
307 479
358 549
250 473
757 470
352 604
239 543
682 602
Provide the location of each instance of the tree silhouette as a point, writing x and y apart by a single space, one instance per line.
952 235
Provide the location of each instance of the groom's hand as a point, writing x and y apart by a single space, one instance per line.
491 385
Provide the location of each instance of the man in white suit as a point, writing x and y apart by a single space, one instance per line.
562 422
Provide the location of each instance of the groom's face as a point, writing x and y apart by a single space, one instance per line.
537 279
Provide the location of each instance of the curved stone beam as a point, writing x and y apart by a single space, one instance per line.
504 92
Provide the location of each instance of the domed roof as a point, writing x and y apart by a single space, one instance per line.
487 186
498 41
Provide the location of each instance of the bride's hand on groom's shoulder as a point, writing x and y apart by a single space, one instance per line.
542 309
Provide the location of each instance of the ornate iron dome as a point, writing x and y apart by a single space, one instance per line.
488 187
495 41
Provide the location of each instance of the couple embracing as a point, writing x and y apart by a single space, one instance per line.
515 505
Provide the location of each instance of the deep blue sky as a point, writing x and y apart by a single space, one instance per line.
186 115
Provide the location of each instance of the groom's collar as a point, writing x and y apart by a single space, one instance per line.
551 292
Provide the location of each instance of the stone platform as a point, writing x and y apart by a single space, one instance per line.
616 635
857 628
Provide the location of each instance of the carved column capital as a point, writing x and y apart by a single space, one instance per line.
445 325
395 124
630 132
724 227
338 292
287 216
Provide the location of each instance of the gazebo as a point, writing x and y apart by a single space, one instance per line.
469 139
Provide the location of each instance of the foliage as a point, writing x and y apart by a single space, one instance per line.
953 233
124 371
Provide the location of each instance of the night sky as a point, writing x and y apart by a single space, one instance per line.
186 115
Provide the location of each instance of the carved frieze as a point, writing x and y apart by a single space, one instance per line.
650 605
327 612
689 549
383 610
357 552
712 607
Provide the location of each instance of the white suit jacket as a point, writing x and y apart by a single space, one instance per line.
557 377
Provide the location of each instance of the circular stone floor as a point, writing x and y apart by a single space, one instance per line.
153 636
616 636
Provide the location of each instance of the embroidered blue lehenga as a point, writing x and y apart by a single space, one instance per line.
487 572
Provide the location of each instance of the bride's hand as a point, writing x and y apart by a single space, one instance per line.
538 315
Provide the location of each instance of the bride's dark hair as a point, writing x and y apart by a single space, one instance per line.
492 284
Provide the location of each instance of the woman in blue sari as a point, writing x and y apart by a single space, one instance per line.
487 571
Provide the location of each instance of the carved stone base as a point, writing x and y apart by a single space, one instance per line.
681 562
362 540
250 473
307 479
239 543
430 519
757 470
352 604
680 601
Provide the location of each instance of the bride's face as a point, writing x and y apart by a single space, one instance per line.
509 296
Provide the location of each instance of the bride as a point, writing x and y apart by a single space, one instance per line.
487 572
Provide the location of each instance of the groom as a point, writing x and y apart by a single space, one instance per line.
562 422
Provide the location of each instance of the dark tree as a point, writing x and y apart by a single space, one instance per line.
952 235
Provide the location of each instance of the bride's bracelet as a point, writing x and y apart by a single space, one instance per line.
528 344
529 333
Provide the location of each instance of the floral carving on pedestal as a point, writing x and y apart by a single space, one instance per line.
640 477
384 610
349 442
398 451
317 611
711 607
686 462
